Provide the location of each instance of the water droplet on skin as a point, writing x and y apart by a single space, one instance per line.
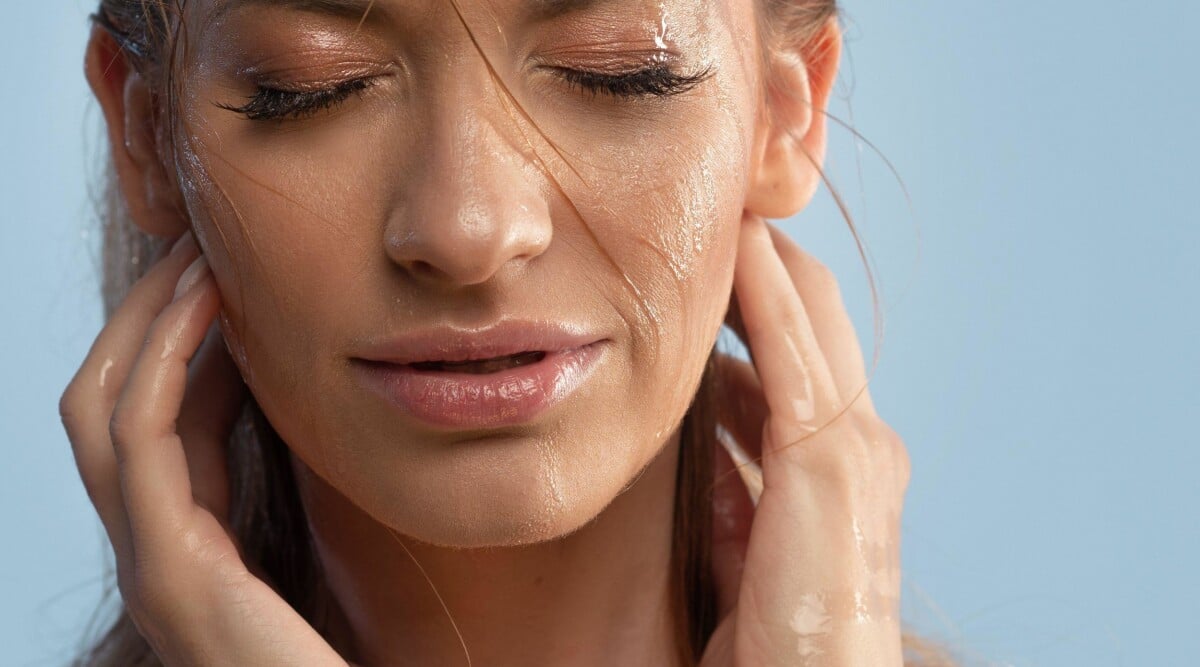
108 364
860 540
804 407
750 472
861 613
810 622
660 35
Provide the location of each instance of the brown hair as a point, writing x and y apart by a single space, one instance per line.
266 512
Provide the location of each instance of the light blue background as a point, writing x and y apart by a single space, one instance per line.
1040 356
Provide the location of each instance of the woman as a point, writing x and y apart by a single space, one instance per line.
461 403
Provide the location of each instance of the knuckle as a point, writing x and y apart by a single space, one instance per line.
835 465
903 466
836 457
818 273
69 412
855 448
821 273
123 427
891 448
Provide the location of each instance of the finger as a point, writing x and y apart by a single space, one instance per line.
733 319
798 384
742 409
87 402
212 404
822 298
836 335
740 416
733 514
155 481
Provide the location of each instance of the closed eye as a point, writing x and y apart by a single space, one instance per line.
269 103
657 80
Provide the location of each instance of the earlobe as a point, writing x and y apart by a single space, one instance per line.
790 138
125 100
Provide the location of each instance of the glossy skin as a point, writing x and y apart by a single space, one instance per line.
424 201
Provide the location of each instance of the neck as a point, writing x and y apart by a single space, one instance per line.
599 596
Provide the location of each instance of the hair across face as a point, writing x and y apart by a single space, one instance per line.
356 179
351 177
437 163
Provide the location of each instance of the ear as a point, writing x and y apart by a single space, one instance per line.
790 136
125 99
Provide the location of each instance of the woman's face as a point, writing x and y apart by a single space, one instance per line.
396 196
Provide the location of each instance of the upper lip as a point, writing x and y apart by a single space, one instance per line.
455 344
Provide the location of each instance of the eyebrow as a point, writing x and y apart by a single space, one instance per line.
548 9
354 9
538 10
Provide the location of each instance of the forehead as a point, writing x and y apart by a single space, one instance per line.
525 10
437 25
706 29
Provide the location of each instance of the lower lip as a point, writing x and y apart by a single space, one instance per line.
471 401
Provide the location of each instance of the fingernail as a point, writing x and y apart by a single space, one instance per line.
196 271
185 244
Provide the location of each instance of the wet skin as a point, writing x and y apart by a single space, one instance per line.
429 195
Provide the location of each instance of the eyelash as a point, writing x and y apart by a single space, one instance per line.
655 81
275 104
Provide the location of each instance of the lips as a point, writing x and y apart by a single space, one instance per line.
445 345
481 366
505 374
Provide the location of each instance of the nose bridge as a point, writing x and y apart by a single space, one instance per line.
474 151
472 208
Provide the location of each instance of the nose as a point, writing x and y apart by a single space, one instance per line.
471 207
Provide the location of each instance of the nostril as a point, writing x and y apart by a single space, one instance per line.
420 268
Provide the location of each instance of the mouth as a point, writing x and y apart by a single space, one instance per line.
505 374
482 393
480 366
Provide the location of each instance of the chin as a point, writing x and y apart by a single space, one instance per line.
513 492
511 487
503 517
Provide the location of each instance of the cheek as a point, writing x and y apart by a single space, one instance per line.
667 215
672 230
669 220
277 234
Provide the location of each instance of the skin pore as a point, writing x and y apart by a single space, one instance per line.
419 202
428 199
415 191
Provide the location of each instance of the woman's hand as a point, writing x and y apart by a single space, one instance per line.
812 575
154 467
